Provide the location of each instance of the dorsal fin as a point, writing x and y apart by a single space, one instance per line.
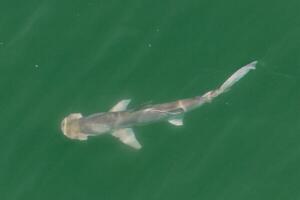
120 106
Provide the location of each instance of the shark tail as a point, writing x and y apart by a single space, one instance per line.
235 77
192 103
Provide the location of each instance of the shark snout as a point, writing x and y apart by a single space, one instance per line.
70 127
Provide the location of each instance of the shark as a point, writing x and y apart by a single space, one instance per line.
120 120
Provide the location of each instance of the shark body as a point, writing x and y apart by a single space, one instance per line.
119 120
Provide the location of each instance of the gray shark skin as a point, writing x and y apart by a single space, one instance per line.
119 121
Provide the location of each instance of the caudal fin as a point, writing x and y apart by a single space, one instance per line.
235 77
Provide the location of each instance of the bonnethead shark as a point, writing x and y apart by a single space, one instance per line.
119 120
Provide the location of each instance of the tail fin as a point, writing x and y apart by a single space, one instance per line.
235 77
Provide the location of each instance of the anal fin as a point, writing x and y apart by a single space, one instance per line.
176 121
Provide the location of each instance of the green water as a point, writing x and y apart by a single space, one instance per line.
59 57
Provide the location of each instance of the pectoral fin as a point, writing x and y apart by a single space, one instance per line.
120 106
176 121
126 135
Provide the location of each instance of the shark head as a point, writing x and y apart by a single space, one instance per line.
70 127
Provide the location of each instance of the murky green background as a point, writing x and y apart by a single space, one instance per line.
59 57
